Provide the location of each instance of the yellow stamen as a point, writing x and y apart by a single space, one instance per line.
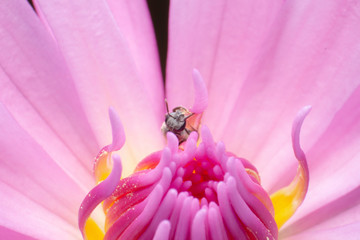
102 168
92 230
289 198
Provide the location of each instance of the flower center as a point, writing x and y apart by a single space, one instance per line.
200 191
191 189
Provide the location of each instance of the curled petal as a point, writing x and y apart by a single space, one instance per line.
102 167
118 133
99 193
289 198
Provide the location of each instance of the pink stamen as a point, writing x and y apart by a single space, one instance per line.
163 231
198 227
216 224
229 217
163 212
192 189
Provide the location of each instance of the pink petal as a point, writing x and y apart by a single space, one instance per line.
340 212
6 233
39 92
210 38
135 24
269 60
38 198
106 74
27 217
348 231
57 148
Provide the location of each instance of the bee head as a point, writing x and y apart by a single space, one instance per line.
175 121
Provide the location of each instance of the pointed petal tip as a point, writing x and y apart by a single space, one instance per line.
306 109
201 93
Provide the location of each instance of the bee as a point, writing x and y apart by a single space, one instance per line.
175 122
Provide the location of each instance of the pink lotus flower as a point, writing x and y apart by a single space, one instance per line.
261 63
